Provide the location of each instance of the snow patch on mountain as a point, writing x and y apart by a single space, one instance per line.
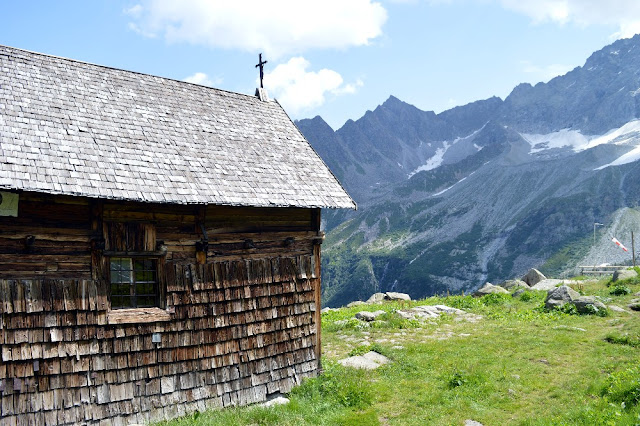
629 157
436 160
575 140
560 139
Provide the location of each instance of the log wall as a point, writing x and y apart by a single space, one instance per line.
239 323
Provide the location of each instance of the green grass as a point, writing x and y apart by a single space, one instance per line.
517 365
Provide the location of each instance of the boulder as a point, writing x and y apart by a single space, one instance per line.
514 284
376 298
369 316
624 274
390 295
356 303
546 284
559 296
489 288
533 277
589 305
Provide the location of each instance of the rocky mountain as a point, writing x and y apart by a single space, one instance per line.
487 190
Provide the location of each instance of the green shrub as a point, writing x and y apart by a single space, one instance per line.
620 290
623 387
527 296
495 299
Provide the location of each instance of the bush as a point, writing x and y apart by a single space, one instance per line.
623 387
620 290
495 299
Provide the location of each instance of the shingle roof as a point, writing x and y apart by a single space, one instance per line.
68 127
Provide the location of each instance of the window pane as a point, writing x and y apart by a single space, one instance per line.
146 302
133 282
120 270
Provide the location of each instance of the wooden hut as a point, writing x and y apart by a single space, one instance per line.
159 245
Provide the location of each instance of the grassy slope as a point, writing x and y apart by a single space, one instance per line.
517 365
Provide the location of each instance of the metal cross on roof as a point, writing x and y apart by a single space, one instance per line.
261 65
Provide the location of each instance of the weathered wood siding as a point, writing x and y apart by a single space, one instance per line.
237 327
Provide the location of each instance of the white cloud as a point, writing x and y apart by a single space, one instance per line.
203 80
547 72
298 89
625 14
276 27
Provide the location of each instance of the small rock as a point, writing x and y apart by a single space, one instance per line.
624 274
616 308
514 284
281 400
567 327
356 303
369 316
634 306
376 298
533 277
369 361
489 288
547 284
390 295
325 310
588 305
559 296
472 423
518 292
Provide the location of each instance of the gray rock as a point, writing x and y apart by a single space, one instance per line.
624 274
547 284
356 303
616 308
559 296
634 306
489 288
369 361
376 298
472 423
514 284
390 295
368 316
518 292
533 277
588 305
325 310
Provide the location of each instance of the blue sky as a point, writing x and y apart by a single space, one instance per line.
334 58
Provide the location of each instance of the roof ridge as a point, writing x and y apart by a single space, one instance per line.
48 55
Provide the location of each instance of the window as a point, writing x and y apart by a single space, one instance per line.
134 283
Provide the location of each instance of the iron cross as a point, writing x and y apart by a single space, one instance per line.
261 65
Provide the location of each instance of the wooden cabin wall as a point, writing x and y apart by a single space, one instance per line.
238 327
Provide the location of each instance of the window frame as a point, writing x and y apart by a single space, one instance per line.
158 288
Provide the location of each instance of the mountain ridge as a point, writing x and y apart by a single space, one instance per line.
480 191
